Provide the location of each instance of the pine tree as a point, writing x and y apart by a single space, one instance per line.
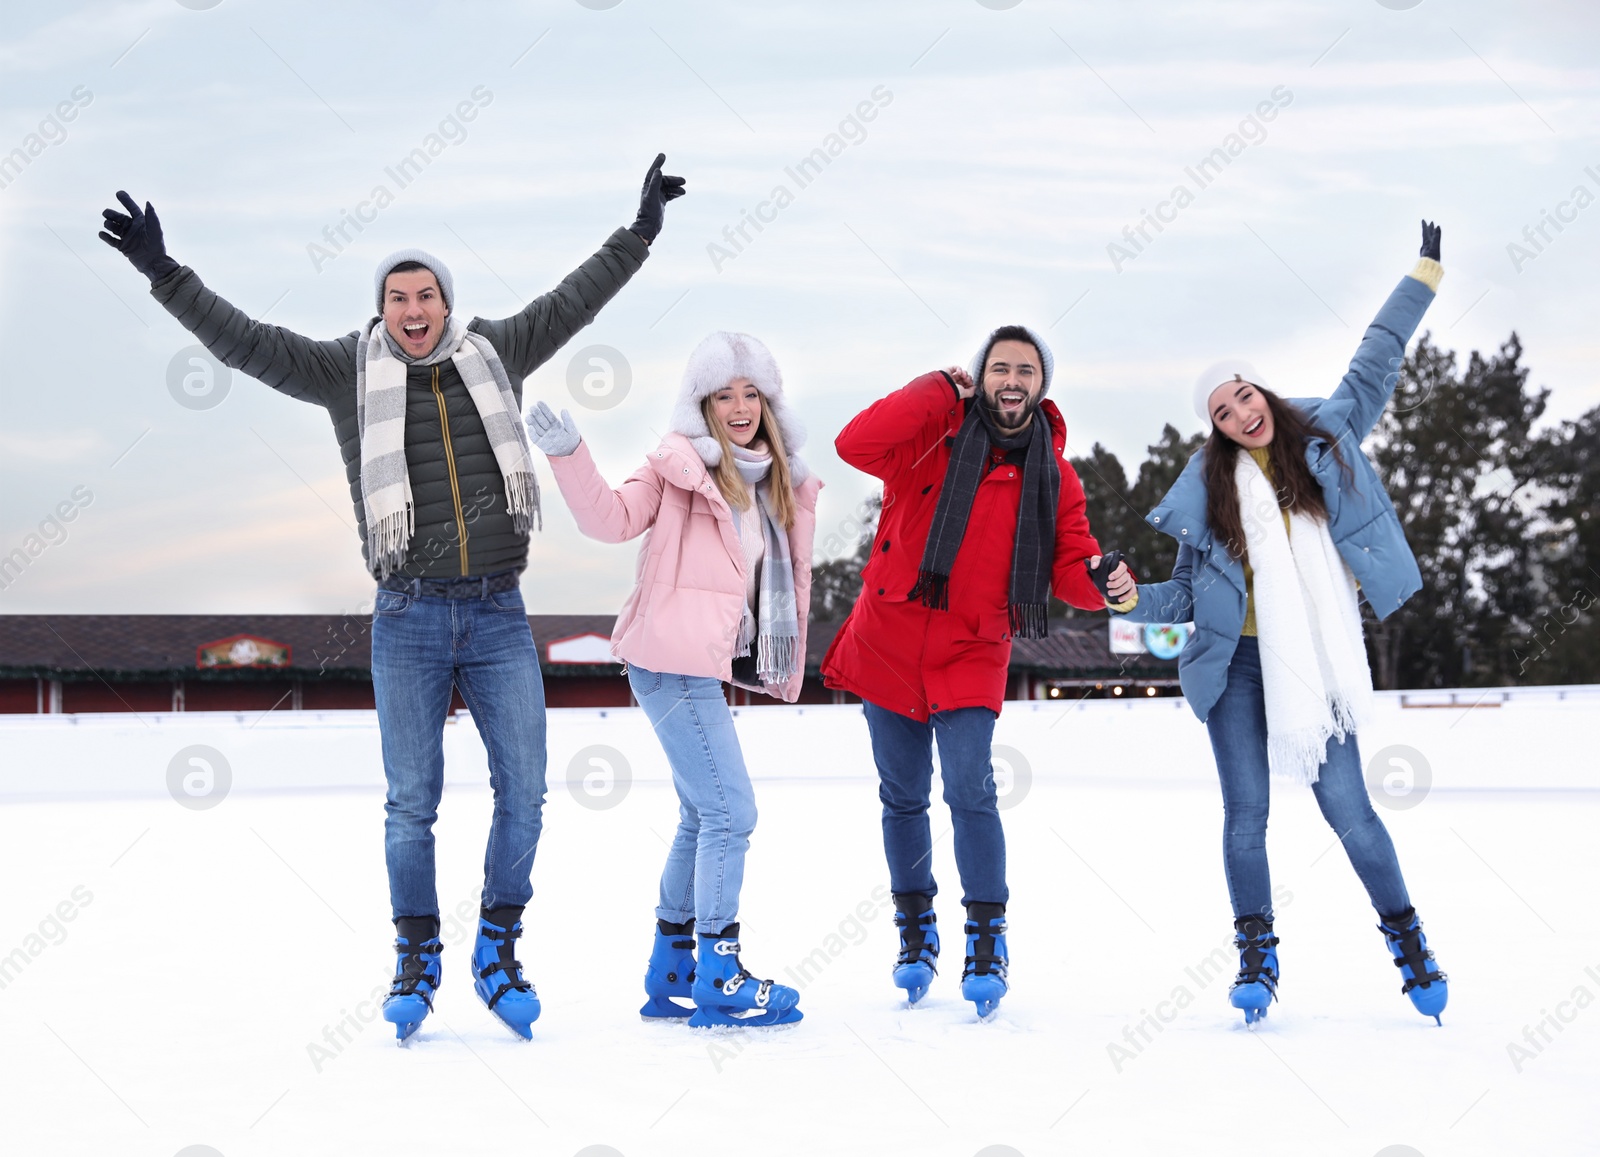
1455 453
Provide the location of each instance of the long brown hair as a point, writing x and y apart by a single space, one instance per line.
731 482
1297 488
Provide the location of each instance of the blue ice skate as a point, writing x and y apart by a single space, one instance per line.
497 977
669 977
983 979
726 995
1256 985
1424 983
918 962
416 975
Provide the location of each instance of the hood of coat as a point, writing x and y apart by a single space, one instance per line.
716 361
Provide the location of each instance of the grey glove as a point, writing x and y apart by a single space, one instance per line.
557 437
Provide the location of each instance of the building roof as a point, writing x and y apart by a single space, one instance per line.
336 646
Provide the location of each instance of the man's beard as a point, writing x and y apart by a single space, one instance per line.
1009 421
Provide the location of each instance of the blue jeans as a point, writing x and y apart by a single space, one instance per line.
421 647
903 750
716 805
1238 727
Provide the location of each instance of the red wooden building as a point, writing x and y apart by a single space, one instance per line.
95 663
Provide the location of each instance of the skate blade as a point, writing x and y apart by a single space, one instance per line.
988 1010
664 1008
521 1032
913 995
716 1018
404 1032
1252 1016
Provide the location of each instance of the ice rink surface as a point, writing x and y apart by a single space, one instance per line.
184 975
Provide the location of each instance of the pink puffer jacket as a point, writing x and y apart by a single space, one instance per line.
684 612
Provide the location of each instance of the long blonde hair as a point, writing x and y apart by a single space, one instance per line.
732 483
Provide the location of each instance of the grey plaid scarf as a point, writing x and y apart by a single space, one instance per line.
381 419
1034 552
775 628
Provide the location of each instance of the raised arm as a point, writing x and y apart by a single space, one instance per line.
893 433
525 341
288 362
600 512
1375 370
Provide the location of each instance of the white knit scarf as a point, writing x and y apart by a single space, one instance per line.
381 419
1314 671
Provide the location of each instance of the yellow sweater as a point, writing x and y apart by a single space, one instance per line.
1263 458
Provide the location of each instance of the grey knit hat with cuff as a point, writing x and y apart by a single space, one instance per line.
1047 360
439 269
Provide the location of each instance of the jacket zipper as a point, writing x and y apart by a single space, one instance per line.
450 464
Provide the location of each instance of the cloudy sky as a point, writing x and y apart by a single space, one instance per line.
1011 144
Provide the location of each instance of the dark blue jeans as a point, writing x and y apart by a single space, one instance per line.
903 750
1238 727
421 647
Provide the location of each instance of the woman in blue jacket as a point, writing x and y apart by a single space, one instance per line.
1280 519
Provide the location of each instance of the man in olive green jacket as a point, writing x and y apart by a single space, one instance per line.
426 409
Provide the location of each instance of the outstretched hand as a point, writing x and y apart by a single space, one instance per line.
557 437
658 190
1431 234
1112 576
136 234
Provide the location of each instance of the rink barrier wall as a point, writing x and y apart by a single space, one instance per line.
1505 739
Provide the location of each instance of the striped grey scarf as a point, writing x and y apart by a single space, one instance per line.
381 419
775 628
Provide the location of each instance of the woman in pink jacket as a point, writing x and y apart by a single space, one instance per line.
722 594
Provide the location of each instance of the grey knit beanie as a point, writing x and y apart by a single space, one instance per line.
439 269
1047 360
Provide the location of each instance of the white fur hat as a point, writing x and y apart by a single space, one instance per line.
1214 375
715 362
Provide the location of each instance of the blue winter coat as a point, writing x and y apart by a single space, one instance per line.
1207 584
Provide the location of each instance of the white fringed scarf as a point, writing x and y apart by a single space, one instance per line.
381 419
775 627
1314 671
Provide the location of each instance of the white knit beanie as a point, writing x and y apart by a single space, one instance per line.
1047 360
439 269
716 361
1214 375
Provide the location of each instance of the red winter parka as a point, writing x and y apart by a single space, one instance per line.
898 653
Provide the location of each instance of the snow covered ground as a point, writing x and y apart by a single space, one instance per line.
179 975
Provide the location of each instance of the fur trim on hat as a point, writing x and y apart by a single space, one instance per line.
439 269
1215 375
1047 359
715 362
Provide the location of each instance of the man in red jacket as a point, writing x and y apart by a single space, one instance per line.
983 518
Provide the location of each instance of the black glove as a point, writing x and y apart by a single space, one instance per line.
1430 239
136 234
653 198
1101 575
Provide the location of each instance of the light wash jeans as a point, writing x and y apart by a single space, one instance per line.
421 647
716 806
1238 727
